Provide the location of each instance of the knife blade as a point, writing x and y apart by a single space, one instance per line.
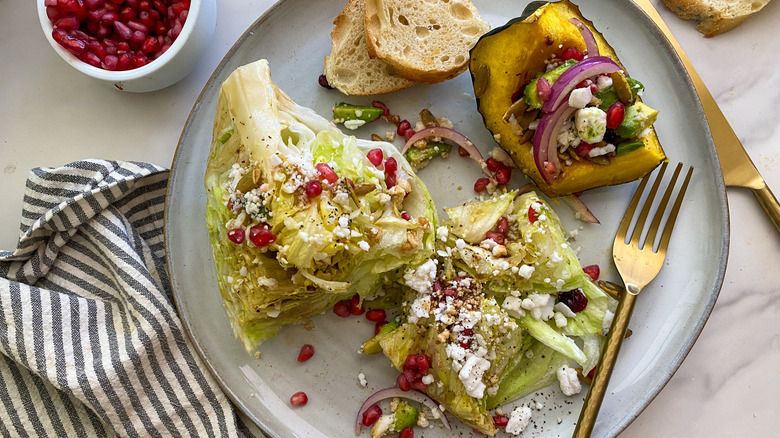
737 167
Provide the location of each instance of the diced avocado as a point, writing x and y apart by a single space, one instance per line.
638 118
405 415
431 150
628 146
608 96
531 96
343 112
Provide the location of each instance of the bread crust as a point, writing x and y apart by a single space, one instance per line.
424 40
349 68
715 17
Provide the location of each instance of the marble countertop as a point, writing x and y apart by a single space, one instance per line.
729 384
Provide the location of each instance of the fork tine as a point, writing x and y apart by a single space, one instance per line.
640 223
626 222
659 213
673 215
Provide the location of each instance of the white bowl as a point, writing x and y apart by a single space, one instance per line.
169 68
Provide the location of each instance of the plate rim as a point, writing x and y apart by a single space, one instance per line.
622 424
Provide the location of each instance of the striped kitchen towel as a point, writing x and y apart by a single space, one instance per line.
91 344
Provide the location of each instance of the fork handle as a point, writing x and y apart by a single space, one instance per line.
769 203
598 386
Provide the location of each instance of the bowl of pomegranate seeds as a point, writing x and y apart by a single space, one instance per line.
132 45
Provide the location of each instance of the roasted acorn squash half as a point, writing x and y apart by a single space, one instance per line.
504 60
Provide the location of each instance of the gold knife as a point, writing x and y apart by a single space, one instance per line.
738 169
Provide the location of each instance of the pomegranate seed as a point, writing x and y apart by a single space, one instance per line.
543 89
109 18
122 30
160 28
341 309
151 45
307 351
591 373
140 60
376 315
391 166
118 2
402 383
375 156
406 216
594 88
502 226
584 83
261 236
138 26
533 215
419 385
125 62
236 235
74 45
503 175
371 415
583 148
127 14
313 189
160 6
450 292
379 104
299 399
409 375
500 420
411 362
110 62
354 305
406 432
90 58
493 164
123 45
145 19
390 180
178 7
495 236
144 5
326 173
67 23
97 49
379 326
403 127
94 4
572 53
175 30
408 134
593 272
53 13
463 152
423 363
481 185
574 300
323 81
615 115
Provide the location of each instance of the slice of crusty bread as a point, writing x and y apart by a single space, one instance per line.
715 16
349 68
425 40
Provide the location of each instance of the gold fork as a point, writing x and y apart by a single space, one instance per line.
638 263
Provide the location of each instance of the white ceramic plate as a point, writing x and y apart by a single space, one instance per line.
294 37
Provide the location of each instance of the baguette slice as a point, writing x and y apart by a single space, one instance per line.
349 68
425 40
715 16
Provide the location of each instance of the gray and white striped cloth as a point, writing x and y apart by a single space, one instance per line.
91 344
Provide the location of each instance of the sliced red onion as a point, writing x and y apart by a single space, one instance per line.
587 35
546 142
394 392
577 73
452 135
543 89
584 214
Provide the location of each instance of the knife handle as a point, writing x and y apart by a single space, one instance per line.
769 203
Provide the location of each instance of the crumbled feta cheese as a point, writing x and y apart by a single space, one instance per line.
419 308
580 97
354 124
421 279
526 271
518 420
560 320
460 244
442 233
604 150
603 82
568 380
427 379
390 135
563 309
341 198
567 136
540 306
362 380
364 245
513 306
607 322
471 375
591 124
